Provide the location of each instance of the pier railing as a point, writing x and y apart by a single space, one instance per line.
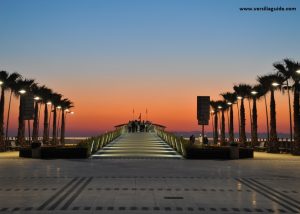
95 143
179 144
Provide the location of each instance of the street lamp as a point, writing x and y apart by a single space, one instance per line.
69 112
219 107
36 98
275 84
229 103
59 107
298 71
22 91
254 92
1 82
239 97
49 103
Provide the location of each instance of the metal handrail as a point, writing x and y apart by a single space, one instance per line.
179 144
98 142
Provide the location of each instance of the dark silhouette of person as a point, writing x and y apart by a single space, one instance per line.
192 139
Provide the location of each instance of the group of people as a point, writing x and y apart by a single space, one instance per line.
138 126
203 140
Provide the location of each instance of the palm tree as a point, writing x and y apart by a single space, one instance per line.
41 94
66 104
3 78
36 90
292 67
256 93
249 97
214 106
46 94
56 99
222 106
11 83
242 91
230 99
286 74
268 82
22 85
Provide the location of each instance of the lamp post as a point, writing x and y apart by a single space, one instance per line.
239 120
35 131
22 92
287 87
228 119
221 115
273 147
49 103
58 122
63 124
212 122
254 119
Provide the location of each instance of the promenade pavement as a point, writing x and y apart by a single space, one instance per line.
266 184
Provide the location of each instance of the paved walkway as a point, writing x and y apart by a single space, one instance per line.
269 183
127 186
137 145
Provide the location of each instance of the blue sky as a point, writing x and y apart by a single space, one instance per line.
145 28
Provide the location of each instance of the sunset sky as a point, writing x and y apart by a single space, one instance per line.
110 56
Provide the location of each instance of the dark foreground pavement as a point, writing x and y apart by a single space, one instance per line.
266 184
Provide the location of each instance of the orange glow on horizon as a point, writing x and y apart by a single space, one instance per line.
100 109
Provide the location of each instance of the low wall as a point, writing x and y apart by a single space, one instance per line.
56 152
216 153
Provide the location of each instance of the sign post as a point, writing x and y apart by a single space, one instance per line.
203 107
28 109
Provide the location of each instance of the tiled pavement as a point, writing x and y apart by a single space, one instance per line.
265 184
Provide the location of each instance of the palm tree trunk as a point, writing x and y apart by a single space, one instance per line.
213 127
243 123
2 143
250 116
228 123
35 123
7 120
21 125
231 132
46 124
290 111
58 124
267 120
223 129
62 136
54 136
50 114
239 120
274 147
254 123
296 143
216 128
38 120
